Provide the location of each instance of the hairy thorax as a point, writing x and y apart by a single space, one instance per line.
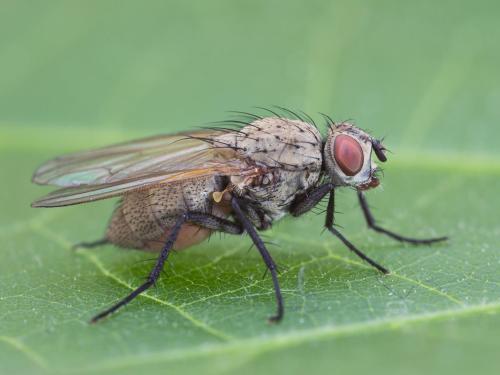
289 154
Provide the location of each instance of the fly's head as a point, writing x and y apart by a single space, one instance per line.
347 155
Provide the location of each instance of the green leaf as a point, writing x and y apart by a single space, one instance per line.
79 75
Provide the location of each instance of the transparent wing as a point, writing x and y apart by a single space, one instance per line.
114 170
126 160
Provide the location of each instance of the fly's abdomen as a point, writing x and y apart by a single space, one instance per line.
133 222
144 218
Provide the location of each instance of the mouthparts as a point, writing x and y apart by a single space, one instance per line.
372 183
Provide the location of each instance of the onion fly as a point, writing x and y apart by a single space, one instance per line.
237 178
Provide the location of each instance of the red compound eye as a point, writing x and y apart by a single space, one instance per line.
348 154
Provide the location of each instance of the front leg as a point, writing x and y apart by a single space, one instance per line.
304 204
370 221
329 225
307 202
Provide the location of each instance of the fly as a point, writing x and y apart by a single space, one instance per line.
178 189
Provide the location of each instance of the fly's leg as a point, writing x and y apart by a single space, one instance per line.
155 273
215 223
370 221
204 220
329 225
268 260
313 197
91 245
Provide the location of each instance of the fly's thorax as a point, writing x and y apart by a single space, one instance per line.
347 154
277 142
288 155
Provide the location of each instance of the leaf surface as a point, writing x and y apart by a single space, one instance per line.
424 74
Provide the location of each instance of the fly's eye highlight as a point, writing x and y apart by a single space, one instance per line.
348 154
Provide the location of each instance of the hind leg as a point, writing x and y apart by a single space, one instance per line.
90 245
204 220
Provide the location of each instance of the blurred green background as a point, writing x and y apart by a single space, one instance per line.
424 74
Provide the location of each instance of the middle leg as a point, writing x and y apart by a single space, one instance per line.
268 260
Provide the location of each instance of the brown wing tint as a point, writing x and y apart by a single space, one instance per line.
114 170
